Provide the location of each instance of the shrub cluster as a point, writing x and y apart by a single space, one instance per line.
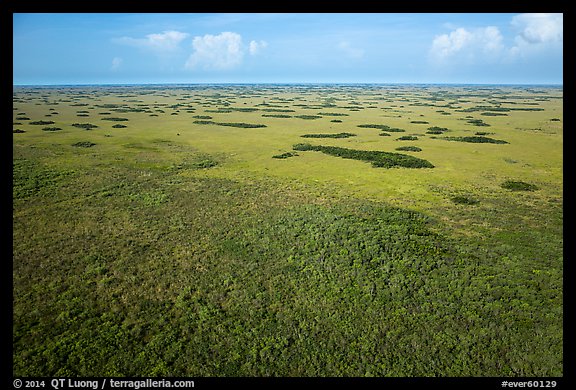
518 186
378 159
277 110
41 122
477 122
436 130
307 116
285 155
115 119
86 126
276 116
488 113
337 135
332 114
231 124
476 139
409 148
83 144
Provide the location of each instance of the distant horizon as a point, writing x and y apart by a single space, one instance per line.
291 83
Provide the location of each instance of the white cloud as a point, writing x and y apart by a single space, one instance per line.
222 51
491 40
537 32
447 44
539 28
164 42
116 63
255 47
168 40
475 45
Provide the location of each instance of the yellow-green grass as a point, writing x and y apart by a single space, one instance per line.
143 189
533 153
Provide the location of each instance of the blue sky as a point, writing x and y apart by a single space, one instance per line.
287 48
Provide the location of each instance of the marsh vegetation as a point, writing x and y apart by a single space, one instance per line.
215 243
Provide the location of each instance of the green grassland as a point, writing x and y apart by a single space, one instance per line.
197 241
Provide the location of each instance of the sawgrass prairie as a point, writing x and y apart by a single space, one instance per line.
193 231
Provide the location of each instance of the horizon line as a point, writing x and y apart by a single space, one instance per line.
284 83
